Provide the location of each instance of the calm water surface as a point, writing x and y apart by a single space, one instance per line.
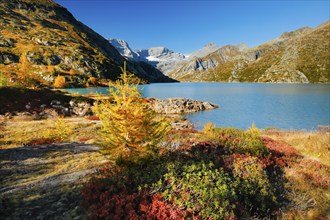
285 106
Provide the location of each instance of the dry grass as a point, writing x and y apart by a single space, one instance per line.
18 133
309 176
33 176
312 145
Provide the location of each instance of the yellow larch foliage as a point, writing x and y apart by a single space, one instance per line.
72 72
92 80
59 82
50 69
129 126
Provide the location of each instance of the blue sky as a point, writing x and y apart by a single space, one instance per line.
186 26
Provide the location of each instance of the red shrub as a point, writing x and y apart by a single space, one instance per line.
84 139
157 208
93 118
282 153
280 148
315 173
41 141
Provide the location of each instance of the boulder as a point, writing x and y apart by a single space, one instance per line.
180 106
23 116
323 129
53 60
48 113
8 58
182 125
81 108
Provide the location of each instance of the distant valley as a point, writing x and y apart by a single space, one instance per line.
300 56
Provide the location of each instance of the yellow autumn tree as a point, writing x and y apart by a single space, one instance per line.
50 69
129 126
59 82
3 80
92 80
25 69
72 72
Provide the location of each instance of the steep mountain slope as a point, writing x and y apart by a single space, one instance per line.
40 40
123 48
300 56
207 49
161 57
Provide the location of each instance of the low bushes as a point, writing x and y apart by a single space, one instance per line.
235 140
225 174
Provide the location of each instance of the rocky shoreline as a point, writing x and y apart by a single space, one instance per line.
82 107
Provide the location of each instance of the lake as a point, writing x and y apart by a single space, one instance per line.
284 106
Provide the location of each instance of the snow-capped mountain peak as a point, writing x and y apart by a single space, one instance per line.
123 48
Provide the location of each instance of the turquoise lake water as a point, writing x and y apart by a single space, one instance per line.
284 106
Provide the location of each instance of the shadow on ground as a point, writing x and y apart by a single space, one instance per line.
44 182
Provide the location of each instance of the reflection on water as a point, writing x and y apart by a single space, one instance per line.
286 106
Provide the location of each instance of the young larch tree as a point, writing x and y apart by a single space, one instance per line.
129 126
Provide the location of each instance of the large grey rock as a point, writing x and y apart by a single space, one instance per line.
180 106
48 114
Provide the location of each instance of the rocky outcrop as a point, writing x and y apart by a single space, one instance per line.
84 108
208 62
180 106
53 109
80 108
123 48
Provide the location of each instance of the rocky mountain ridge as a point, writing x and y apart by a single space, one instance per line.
40 40
159 57
300 56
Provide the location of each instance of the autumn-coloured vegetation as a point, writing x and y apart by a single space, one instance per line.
129 126
59 82
210 174
220 173
203 180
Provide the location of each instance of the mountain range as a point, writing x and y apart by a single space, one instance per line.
41 40
300 56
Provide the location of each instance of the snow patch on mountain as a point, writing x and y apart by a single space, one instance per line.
153 59
160 57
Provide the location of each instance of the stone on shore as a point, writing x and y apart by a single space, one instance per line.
180 106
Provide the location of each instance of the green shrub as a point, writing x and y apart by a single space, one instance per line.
199 188
3 80
237 140
253 187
